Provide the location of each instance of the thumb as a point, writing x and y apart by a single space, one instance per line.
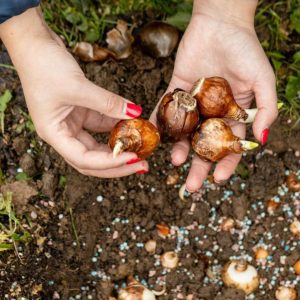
103 101
267 112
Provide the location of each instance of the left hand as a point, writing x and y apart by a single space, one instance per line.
212 47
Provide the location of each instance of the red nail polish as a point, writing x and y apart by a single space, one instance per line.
133 161
264 136
142 172
133 110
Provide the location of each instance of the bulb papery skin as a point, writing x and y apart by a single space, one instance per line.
158 39
285 293
213 140
177 115
135 291
135 135
215 99
243 277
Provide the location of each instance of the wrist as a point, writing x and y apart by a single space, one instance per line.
236 12
21 34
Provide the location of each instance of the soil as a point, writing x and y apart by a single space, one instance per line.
88 234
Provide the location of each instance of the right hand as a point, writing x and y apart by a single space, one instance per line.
63 104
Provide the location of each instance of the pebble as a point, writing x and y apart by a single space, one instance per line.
33 215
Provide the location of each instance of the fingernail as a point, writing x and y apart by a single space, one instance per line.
221 182
133 161
133 110
141 172
264 136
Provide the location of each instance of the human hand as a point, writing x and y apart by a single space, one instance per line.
63 104
219 44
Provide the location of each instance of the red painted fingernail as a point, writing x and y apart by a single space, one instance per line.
133 110
142 172
264 136
133 161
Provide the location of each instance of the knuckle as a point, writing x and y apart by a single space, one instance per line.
110 104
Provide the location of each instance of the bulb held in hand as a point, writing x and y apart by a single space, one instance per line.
215 99
135 135
213 140
177 115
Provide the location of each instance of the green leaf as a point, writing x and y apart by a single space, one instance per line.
242 170
293 86
62 181
295 19
4 247
276 63
4 99
92 35
22 176
72 16
182 18
296 57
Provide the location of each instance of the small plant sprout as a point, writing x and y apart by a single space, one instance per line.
13 232
4 100
169 260
241 275
285 293
295 228
136 291
150 246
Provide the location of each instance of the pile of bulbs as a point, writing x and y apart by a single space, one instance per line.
197 115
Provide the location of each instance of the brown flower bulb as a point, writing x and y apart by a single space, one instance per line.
135 135
159 39
136 291
177 115
241 275
213 140
215 99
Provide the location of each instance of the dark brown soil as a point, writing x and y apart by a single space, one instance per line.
114 218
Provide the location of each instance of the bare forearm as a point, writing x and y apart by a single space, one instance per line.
239 12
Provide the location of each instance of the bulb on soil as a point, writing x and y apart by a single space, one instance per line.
295 228
136 291
159 39
169 260
150 246
241 275
285 293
